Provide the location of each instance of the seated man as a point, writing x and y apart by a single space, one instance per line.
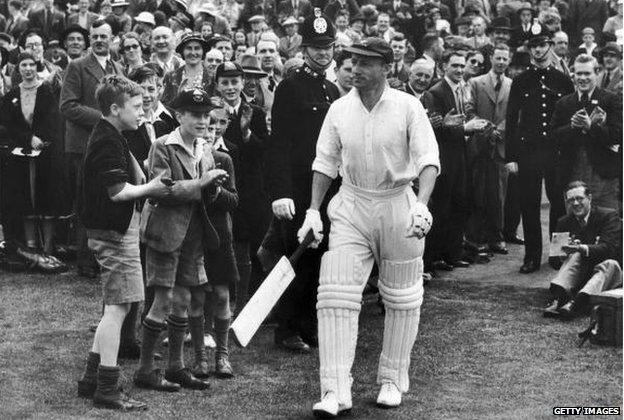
593 257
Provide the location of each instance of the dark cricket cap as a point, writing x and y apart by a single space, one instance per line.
229 69
196 100
373 47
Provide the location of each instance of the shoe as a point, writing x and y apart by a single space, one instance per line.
130 351
209 342
154 380
117 401
201 369
568 311
310 339
514 239
426 278
458 263
499 248
328 407
529 267
294 344
86 389
223 368
552 310
185 378
87 272
389 396
442 265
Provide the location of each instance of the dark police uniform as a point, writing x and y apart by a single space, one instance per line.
301 102
529 143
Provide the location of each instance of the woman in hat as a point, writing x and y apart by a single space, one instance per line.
124 20
30 113
193 73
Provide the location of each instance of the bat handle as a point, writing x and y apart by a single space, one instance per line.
302 247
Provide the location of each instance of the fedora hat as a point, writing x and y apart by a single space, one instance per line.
251 65
500 23
290 21
526 6
74 28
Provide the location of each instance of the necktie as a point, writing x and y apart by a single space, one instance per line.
584 100
460 99
606 80
271 84
151 133
396 69
499 83
564 67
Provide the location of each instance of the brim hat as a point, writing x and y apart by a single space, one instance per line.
75 28
192 37
612 48
181 20
6 37
501 23
119 3
251 66
194 100
229 69
290 21
373 47
145 17
256 18
181 3
526 6
317 30
212 42
358 17
588 31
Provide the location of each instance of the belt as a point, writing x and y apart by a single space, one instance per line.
373 194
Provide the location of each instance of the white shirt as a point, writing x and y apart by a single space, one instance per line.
219 144
382 149
102 59
197 152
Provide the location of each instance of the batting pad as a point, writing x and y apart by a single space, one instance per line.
400 286
337 308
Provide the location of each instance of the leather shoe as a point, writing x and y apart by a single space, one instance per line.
201 369
458 263
514 239
568 311
154 380
552 310
117 401
389 396
294 344
86 389
529 267
442 265
499 248
185 378
223 368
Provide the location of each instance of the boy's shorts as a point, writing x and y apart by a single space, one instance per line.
120 263
221 265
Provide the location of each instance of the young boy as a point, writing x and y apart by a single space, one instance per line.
112 182
221 263
175 231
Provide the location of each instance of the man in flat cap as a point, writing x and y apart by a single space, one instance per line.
380 140
300 104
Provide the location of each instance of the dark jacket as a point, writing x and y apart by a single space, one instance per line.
602 234
52 28
583 14
226 201
173 80
15 28
333 8
600 142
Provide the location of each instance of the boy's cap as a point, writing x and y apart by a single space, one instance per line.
196 100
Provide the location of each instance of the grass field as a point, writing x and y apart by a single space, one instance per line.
483 352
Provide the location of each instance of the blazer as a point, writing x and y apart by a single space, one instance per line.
164 223
583 14
615 84
52 28
78 104
15 28
602 233
402 75
490 106
600 142
288 48
442 101
226 200
173 81
73 19
285 9
139 141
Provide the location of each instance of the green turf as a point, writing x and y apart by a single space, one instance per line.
483 352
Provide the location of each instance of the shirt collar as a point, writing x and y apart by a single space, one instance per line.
452 84
234 109
586 218
384 96
219 144
198 146
590 93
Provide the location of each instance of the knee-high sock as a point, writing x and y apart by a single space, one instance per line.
338 308
151 333
176 327
401 289
196 325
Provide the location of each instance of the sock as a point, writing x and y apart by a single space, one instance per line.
91 370
107 378
151 332
196 325
176 327
209 304
222 328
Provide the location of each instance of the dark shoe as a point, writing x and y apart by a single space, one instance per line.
294 344
87 272
529 267
86 389
458 263
568 311
442 265
499 248
185 378
201 369
117 401
311 340
223 368
514 239
154 380
552 310
130 351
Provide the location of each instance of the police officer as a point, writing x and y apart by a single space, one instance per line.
531 151
301 102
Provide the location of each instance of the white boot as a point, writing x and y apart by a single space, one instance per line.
389 396
328 407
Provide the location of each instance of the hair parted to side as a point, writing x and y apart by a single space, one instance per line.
586 58
142 73
577 184
114 89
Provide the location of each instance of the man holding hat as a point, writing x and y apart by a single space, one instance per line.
380 140
301 102
531 151
610 56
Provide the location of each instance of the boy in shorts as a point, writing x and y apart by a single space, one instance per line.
175 231
112 183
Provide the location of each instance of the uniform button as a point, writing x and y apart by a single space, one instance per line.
543 105
544 124
327 97
543 133
543 77
544 114
313 108
543 95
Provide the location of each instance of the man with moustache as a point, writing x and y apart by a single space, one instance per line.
530 149
301 102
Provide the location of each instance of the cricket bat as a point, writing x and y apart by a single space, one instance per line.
255 312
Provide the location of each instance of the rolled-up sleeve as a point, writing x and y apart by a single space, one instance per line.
422 142
109 164
328 158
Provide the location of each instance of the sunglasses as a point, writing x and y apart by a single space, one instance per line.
476 62
132 47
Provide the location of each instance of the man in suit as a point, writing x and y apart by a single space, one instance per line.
610 56
399 70
80 109
479 38
334 7
17 22
290 43
299 9
594 254
266 50
450 203
400 13
163 46
586 13
561 52
588 126
83 17
522 32
489 95
48 20
75 40
253 36
421 75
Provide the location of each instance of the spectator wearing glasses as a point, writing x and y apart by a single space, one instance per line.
474 65
131 53
33 42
